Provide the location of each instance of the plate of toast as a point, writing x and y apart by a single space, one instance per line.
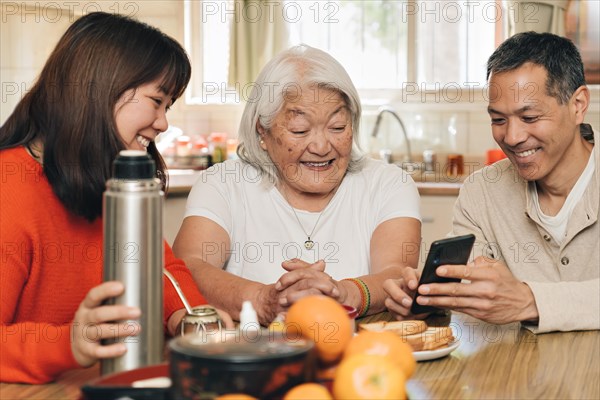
427 342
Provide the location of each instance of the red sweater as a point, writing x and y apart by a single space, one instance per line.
50 260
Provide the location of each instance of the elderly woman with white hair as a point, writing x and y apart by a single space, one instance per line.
302 211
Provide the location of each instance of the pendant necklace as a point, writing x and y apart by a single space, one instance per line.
308 243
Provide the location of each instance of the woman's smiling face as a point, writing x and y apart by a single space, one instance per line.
140 115
310 142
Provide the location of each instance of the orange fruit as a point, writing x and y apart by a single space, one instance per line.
235 396
366 376
308 391
322 320
386 344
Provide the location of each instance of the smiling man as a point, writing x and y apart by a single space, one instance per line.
535 214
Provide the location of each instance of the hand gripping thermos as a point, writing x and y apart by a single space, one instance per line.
133 254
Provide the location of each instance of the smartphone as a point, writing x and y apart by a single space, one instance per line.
451 251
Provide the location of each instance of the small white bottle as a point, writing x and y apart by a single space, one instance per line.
248 318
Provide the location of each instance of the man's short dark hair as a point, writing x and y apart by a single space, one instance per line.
558 55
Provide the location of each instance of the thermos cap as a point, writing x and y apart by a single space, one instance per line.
133 164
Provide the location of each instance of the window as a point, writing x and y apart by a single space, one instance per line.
206 38
367 37
383 44
582 28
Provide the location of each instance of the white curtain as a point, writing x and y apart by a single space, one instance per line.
258 34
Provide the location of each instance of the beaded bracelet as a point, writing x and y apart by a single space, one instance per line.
363 299
365 296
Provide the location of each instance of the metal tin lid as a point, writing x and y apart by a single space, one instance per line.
240 346
207 313
201 319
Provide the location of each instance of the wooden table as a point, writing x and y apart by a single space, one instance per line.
492 362
66 387
509 362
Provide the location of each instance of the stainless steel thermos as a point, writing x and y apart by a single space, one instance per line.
133 254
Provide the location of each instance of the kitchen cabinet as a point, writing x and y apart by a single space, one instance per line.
436 216
173 215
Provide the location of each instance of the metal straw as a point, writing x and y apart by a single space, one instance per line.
179 292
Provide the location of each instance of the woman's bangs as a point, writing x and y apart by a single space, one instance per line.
175 78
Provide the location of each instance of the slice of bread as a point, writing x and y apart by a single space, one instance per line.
430 339
416 333
402 328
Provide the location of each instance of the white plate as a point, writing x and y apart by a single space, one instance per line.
437 353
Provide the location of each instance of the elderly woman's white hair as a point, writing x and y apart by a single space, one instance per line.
298 67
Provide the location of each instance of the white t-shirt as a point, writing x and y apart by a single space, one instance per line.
556 225
264 231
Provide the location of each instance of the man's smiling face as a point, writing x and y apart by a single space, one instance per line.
533 129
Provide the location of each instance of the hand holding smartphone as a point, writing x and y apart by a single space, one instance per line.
451 251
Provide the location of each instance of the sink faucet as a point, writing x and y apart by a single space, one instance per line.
390 110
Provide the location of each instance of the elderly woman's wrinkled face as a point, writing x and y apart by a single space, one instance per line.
310 141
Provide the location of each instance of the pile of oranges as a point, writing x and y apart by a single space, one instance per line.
369 365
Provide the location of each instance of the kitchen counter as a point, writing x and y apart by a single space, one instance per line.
438 188
429 184
181 181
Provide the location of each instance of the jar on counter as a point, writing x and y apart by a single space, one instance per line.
202 158
232 145
455 165
184 146
218 146
169 154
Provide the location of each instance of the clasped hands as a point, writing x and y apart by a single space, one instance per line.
301 279
488 291
304 279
